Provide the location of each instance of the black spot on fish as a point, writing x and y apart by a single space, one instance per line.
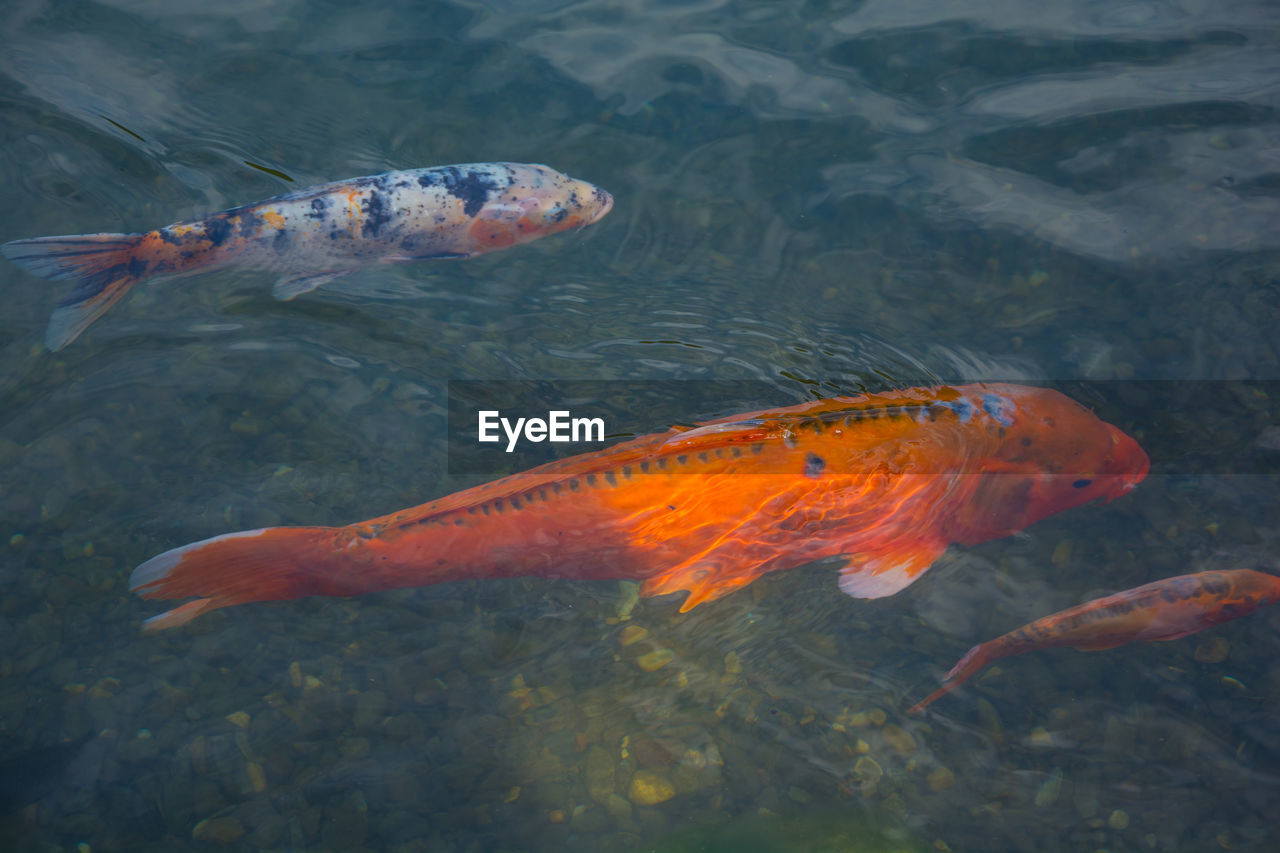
248 223
515 501
169 237
137 267
428 179
471 188
1081 483
814 465
611 478
644 466
591 479
217 230
281 241
377 213
318 208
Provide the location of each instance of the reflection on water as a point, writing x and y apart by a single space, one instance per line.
822 196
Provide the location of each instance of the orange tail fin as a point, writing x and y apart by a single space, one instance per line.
974 659
103 267
271 564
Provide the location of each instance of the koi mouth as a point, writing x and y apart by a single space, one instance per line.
605 200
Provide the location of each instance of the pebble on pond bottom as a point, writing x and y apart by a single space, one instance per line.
649 788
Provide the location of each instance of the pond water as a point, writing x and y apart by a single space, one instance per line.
819 197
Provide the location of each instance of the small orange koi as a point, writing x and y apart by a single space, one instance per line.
320 233
1163 610
885 481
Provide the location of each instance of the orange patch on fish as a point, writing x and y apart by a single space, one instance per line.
884 481
1163 610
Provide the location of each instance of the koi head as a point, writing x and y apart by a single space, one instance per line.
1053 454
536 202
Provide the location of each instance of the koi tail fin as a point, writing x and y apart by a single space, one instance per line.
103 267
974 659
270 564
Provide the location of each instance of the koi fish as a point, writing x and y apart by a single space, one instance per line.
885 481
1163 610
319 234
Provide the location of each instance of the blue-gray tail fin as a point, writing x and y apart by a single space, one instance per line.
103 267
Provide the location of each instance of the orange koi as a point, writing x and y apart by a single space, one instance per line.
885 481
1163 610
320 233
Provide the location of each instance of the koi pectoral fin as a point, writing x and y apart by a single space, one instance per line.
891 571
702 579
289 286
430 256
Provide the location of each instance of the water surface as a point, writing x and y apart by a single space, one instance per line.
823 197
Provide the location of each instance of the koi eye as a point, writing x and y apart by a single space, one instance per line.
1080 484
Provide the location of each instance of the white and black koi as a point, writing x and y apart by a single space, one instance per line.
320 233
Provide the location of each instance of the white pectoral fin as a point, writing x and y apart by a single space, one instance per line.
887 573
289 286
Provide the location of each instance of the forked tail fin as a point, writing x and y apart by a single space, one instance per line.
271 564
103 267
974 659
